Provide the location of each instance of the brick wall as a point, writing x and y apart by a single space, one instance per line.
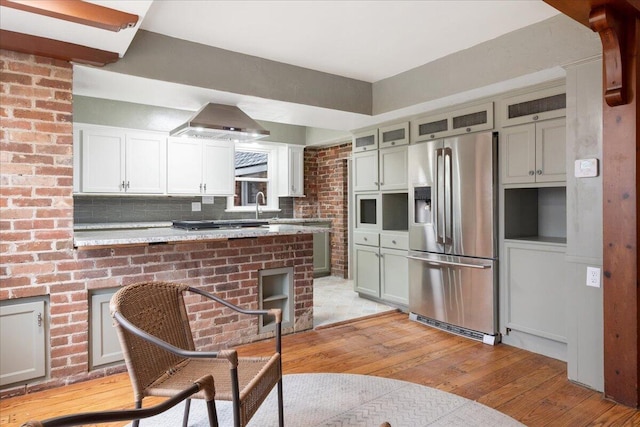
36 234
327 194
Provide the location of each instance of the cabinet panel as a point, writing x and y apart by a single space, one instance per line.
184 166
145 160
218 169
105 345
394 135
394 273
365 171
530 107
102 161
535 287
367 270
517 148
551 137
291 171
365 141
393 168
366 238
22 342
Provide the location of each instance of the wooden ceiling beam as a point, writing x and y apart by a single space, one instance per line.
77 11
50 48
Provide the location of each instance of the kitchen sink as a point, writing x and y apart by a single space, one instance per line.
219 224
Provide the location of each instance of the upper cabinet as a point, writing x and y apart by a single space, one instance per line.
200 167
291 171
118 161
390 136
458 122
534 152
536 106
365 141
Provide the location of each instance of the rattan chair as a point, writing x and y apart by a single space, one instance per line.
204 384
158 347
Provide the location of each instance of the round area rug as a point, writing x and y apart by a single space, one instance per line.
349 400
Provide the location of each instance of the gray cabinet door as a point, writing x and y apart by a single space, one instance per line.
367 268
394 273
22 342
321 254
105 346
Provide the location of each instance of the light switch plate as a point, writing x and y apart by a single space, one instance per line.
586 168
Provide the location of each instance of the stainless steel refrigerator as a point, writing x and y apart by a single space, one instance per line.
453 235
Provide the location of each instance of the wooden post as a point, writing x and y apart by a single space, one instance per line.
617 23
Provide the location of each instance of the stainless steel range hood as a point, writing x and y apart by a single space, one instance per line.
218 121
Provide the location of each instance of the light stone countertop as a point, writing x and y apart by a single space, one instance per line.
164 224
92 238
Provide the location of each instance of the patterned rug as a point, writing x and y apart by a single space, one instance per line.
350 400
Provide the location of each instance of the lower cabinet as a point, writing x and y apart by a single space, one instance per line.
535 289
105 346
381 266
22 341
321 250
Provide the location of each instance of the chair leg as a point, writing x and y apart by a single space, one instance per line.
135 423
235 390
213 414
280 405
185 418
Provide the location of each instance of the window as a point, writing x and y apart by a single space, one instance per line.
253 175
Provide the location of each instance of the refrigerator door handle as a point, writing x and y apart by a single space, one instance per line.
448 193
457 264
439 207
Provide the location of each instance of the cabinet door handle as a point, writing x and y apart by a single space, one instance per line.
39 319
377 255
293 189
539 171
375 182
205 187
201 187
128 185
122 185
532 173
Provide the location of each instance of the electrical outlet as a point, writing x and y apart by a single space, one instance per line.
593 277
196 207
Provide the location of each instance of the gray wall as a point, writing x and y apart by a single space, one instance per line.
554 42
160 57
585 358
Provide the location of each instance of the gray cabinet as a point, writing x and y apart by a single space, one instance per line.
321 250
534 152
458 122
535 293
22 341
103 338
381 266
365 141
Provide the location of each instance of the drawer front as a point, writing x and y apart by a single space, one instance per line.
366 238
394 241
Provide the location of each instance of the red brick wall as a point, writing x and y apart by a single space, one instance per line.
36 234
327 196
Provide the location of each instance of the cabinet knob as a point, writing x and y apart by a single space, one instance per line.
364 148
532 173
381 184
535 117
365 239
393 241
433 136
393 143
539 171
468 129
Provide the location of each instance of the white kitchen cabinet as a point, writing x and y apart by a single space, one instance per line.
22 341
197 167
535 292
535 106
119 161
534 152
365 141
291 171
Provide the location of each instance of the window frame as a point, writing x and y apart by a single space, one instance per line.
272 183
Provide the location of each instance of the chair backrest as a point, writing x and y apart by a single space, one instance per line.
157 308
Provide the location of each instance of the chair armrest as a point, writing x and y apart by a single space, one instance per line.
126 324
127 414
234 307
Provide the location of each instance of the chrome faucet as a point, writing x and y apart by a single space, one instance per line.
260 193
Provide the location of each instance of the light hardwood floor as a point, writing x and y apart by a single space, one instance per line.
526 386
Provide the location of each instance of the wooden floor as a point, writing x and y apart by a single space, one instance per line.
530 388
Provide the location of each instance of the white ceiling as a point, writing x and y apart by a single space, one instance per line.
364 40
